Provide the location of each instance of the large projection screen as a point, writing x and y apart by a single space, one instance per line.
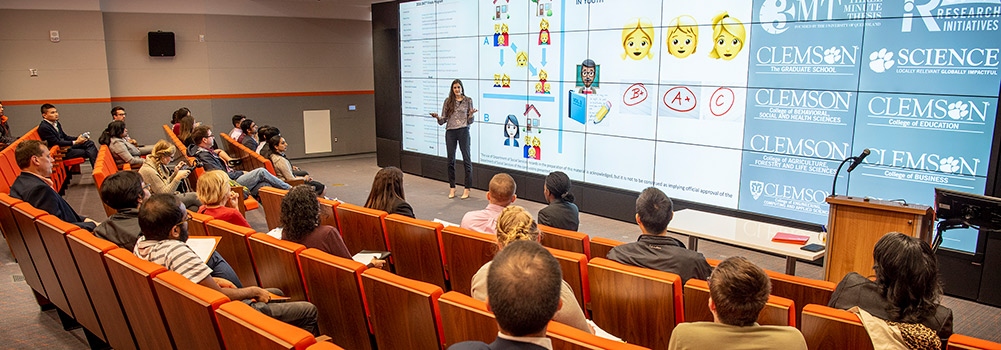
746 105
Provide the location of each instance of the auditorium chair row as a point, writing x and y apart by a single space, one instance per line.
181 155
250 160
9 169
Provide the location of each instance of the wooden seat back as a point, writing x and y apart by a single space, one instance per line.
827 328
566 240
235 248
324 345
15 241
778 311
25 216
417 249
362 228
271 200
242 327
88 251
802 291
568 338
328 213
600 246
465 252
629 301
962 342
133 277
189 309
464 318
335 284
277 264
53 233
196 227
574 268
403 312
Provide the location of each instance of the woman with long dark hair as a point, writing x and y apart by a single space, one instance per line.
275 151
906 289
123 151
387 193
457 115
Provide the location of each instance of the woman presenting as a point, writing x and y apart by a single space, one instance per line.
457 114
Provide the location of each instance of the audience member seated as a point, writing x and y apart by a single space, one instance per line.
175 120
524 294
516 224
301 224
124 191
236 132
263 134
211 160
218 199
164 226
275 151
561 212
501 193
655 249
738 290
248 134
187 126
123 151
34 186
51 131
387 193
6 137
906 290
118 114
161 179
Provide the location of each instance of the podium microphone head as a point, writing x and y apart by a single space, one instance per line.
858 160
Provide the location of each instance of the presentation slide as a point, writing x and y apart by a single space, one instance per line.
748 105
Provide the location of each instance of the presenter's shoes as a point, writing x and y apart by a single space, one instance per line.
465 194
451 194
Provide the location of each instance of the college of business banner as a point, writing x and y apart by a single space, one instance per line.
743 104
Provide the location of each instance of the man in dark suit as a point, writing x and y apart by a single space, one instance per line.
34 186
523 292
51 131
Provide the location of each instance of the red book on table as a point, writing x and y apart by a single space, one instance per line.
783 237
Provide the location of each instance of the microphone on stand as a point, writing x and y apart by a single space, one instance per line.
856 161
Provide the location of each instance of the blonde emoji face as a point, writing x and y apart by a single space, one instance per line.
728 37
535 142
637 39
544 37
543 75
544 25
682 36
522 59
506 80
504 28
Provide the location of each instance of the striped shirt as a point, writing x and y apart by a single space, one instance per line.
175 256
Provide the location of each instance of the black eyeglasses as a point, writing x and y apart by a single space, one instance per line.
187 217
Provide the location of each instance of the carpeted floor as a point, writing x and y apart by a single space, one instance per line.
349 179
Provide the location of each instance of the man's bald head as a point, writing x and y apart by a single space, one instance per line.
523 288
502 189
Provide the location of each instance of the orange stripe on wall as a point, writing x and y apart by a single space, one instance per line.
186 97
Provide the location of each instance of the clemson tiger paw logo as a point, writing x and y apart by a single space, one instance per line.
958 110
881 61
949 165
832 55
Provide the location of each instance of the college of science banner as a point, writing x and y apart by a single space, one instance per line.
757 122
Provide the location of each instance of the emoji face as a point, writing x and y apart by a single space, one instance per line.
528 140
504 28
543 75
544 38
727 46
544 25
500 41
497 80
531 153
522 59
535 142
506 81
510 129
497 28
587 75
538 88
637 45
681 44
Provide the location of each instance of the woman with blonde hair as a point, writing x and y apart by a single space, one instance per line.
217 199
728 37
160 179
515 224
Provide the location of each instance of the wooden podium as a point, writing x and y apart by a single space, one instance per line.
854 225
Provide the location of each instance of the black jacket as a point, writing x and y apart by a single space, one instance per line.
53 135
33 190
560 214
662 253
856 290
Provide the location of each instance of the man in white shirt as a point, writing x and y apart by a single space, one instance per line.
501 194
236 132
